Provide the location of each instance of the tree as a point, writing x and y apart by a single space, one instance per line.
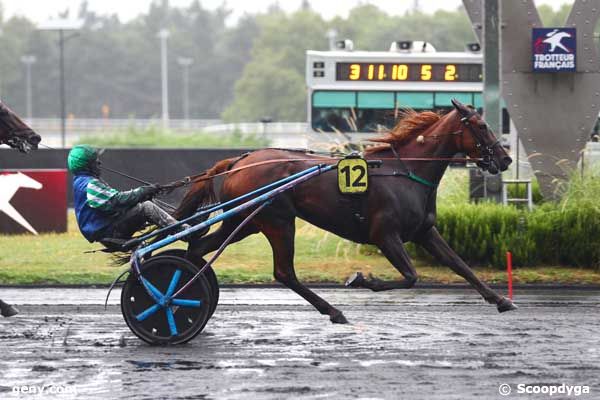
273 82
552 18
267 89
242 72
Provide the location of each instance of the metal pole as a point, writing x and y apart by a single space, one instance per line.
517 152
331 37
185 63
28 89
491 64
28 60
186 93
163 35
63 107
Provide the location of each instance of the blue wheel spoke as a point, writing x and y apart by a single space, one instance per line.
173 283
156 293
171 320
147 312
186 303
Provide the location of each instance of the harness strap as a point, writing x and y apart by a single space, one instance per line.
423 181
409 175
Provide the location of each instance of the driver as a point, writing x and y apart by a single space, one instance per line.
104 212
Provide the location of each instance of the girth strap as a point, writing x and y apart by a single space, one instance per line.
410 175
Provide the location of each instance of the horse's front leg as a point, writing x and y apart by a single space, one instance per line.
6 310
435 244
392 247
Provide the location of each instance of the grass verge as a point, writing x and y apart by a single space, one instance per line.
320 257
154 137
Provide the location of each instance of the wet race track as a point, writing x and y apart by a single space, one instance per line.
269 344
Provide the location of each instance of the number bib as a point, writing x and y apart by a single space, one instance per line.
353 175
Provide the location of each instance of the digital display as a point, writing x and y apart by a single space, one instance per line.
412 72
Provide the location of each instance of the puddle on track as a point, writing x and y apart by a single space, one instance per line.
267 344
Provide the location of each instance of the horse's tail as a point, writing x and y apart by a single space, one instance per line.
202 192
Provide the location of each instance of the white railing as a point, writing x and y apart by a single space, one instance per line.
86 125
269 128
280 134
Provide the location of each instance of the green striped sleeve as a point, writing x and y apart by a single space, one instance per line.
99 194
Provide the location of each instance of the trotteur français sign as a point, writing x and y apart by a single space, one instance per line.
554 49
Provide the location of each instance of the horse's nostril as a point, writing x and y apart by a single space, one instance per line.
506 161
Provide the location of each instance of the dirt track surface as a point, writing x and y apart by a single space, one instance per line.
268 344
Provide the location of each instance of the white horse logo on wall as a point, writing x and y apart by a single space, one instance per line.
10 184
554 39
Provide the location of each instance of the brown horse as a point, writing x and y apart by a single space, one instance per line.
400 204
15 133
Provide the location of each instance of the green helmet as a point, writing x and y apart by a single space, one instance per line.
82 158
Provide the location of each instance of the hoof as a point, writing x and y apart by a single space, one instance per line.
9 311
506 305
355 280
338 318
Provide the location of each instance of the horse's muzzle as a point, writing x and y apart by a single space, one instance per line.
30 142
34 139
505 162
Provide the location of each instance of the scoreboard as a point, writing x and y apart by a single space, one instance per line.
363 91
415 72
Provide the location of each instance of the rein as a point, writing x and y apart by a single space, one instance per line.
200 177
191 179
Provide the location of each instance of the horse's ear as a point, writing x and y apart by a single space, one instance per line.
460 107
457 104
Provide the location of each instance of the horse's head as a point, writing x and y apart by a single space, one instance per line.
478 140
15 133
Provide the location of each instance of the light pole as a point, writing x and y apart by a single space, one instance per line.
1 33
163 34
28 60
185 63
62 25
331 38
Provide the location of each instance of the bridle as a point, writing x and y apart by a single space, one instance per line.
14 136
478 133
485 149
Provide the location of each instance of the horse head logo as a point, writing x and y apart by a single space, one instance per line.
10 184
554 39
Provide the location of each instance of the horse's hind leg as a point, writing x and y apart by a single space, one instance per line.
281 234
392 247
435 244
6 310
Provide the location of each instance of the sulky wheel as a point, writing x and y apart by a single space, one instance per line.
208 272
152 319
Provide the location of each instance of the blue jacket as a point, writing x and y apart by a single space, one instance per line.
92 222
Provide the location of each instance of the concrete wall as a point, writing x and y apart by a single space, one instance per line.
153 165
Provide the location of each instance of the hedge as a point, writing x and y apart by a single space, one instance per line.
566 232
549 235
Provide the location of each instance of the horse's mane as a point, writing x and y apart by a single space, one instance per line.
411 123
